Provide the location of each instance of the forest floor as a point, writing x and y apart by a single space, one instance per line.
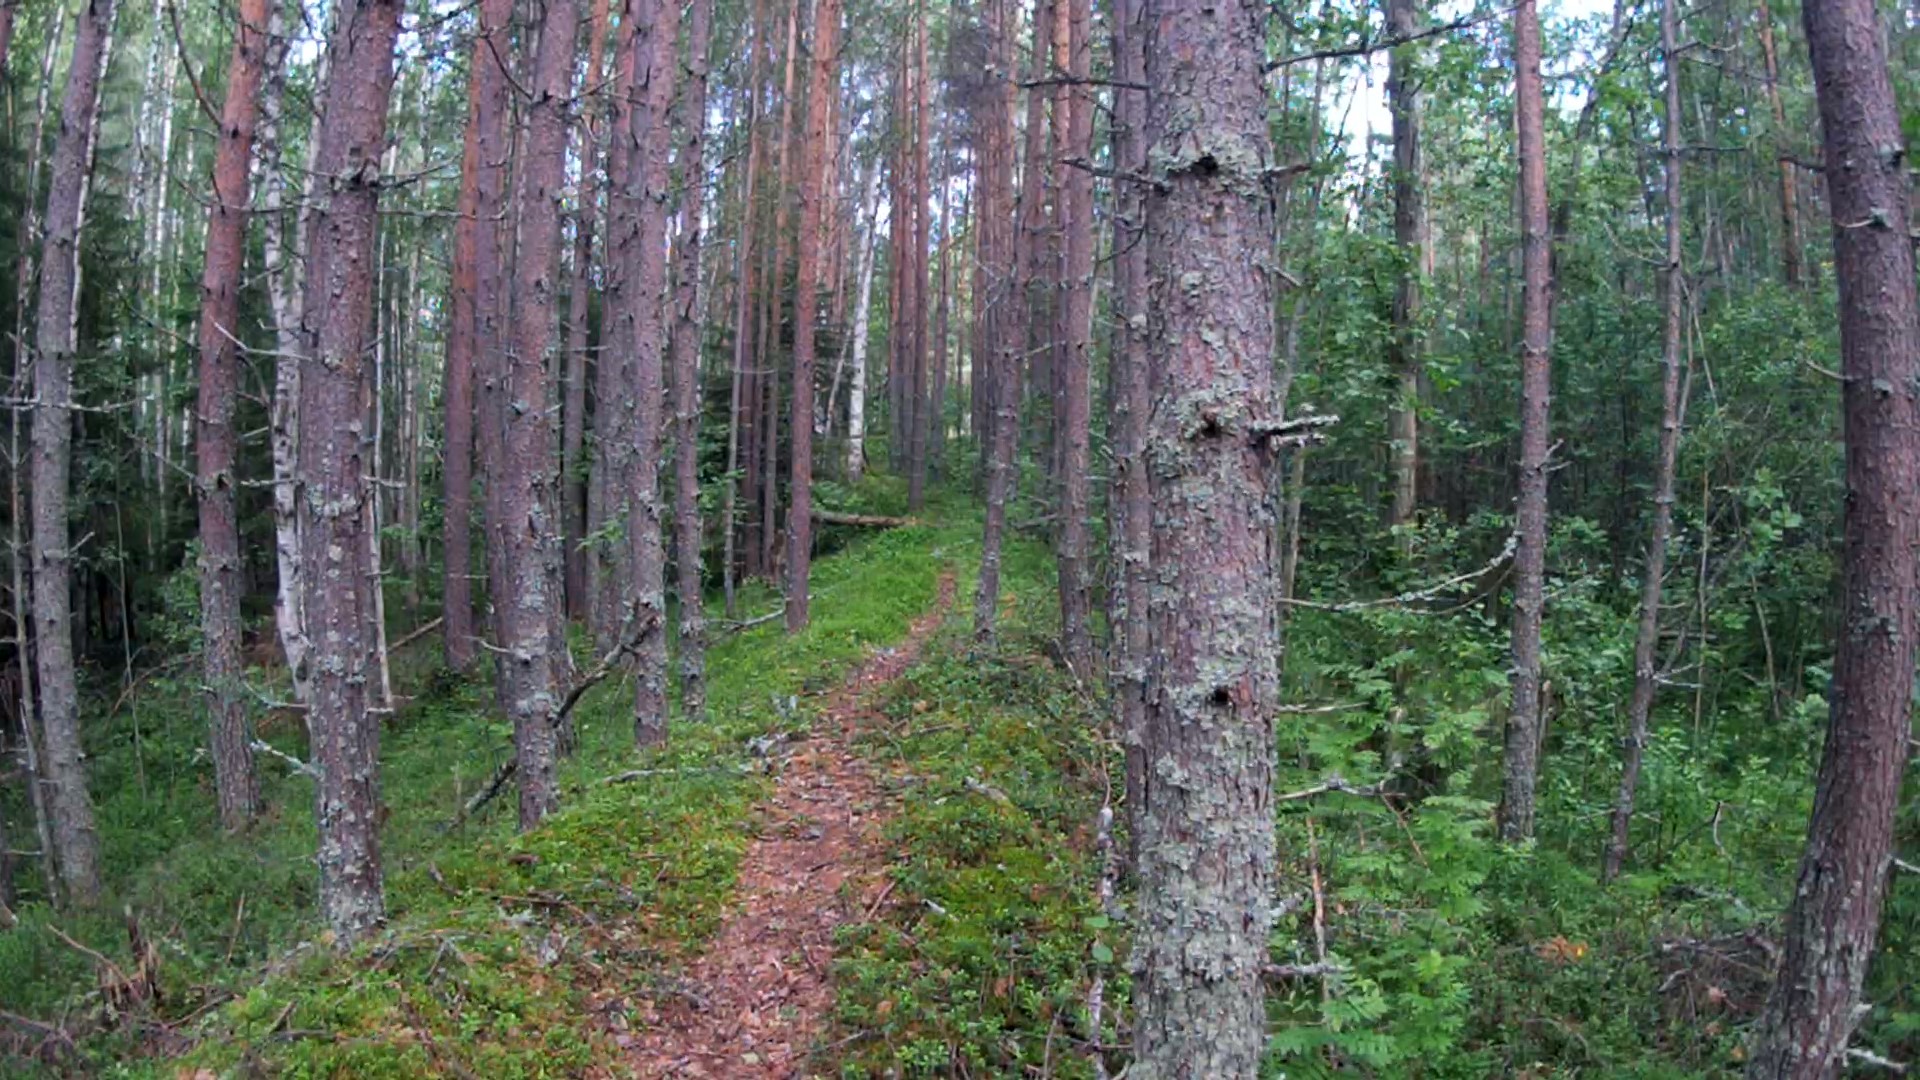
756 1000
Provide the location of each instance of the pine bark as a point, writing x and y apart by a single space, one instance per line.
1646 639
528 498
215 440
815 206
739 405
573 435
76 841
332 472
914 300
649 182
1206 849
609 570
1791 242
1832 921
689 535
1131 528
1522 764
1075 363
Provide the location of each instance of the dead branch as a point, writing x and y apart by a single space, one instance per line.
871 521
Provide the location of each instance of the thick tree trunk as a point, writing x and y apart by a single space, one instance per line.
1075 364
1410 236
1131 527
1522 763
815 206
76 842
1831 924
332 471
1646 639
573 436
689 536
215 440
1206 850
656 63
528 499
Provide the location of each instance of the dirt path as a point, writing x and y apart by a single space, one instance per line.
755 1003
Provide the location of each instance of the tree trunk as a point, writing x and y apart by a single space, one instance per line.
1131 528
215 440
283 293
1075 364
1206 853
937 349
332 466
739 410
76 842
915 299
528 500
815 206
767 429
574 412
1646 640
1790 239
1410 237
1015 346
1835 913
656 59
689 536
856 459
1522 763
609 570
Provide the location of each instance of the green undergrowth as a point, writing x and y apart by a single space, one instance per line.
504 955
980 961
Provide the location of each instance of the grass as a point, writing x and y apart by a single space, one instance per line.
497 944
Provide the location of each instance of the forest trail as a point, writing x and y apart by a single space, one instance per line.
755 1002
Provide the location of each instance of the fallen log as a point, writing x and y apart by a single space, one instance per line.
870 521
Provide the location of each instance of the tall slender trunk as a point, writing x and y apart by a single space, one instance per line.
236 787
815 207
739 411
862 312
332 467
1404 346
768 430
689 537
1131 513
1791 242
76 842
937 349
914 301
1672 415
528 498
609 570
1206 850
1522 765
648 182
282 267
1834 917
1076 353
574 412
1015 345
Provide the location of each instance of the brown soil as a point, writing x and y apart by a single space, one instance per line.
754 1005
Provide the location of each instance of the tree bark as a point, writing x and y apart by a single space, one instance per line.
656 62
1410 237
1790 240
76 841
1206 850
1832 921
689 536
528 498
915 298
215 441
1646 640
739 408
609 569
1131 529
1522 763
857 335
573 436
332 473
815 206
1075 362
1015 346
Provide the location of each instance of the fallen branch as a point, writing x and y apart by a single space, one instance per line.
498 780
1868 1057
1285 972
1335 782
416 634
871 521
261 746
